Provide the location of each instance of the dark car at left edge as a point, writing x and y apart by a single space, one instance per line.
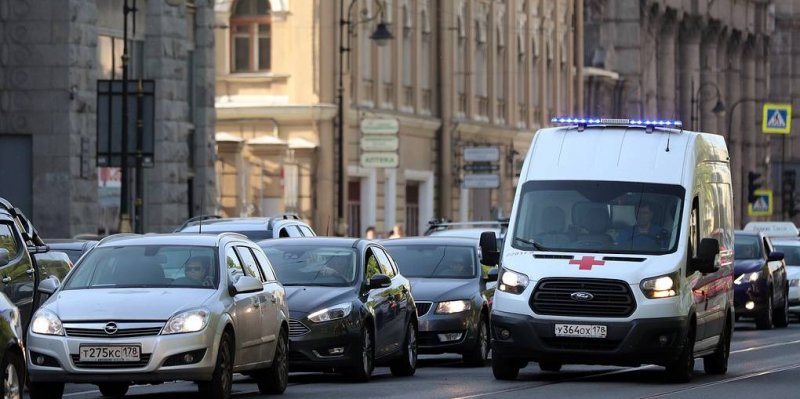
761 286
350 308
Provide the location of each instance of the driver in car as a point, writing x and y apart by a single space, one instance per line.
337 266
645 231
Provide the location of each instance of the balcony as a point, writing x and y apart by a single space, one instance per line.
522 115
427 102
388 95
461 104
369 91
501 110
408 98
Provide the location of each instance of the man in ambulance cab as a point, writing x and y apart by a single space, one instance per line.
645 233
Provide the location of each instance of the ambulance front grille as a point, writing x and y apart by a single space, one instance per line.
609 298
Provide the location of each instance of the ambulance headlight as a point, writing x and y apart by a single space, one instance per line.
512 282
661 286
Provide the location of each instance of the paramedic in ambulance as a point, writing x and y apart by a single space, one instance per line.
644 233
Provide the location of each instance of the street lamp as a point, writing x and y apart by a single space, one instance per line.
728 132
381 36
719 107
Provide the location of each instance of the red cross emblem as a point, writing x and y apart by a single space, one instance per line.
587 262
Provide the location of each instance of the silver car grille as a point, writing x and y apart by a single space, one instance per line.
103 329
143 360
297 328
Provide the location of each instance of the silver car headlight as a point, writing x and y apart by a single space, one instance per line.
451 307
46 322
334 312
186 322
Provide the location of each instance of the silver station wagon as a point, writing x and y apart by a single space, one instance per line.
156 308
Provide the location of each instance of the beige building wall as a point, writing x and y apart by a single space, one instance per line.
457 74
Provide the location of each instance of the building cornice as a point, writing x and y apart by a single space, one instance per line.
281 113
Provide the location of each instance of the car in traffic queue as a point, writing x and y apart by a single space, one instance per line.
451 294
790 247
255 228
761 285
155 308
350 308
74 248
12 350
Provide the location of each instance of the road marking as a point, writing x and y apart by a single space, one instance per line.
727 380
628 370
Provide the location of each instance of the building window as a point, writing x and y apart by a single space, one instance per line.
407 57
501 72
354 208
412 209
109 57
251 36
534 74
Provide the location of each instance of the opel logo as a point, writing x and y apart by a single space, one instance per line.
581 296
111 328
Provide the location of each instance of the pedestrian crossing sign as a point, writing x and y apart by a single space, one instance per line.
777 118
762 205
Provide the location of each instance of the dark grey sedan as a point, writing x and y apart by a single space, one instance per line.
450 290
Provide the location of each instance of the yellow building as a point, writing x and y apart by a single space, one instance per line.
459 77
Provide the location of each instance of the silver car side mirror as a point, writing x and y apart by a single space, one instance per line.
49 285
247 284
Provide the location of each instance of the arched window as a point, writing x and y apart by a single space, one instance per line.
251 36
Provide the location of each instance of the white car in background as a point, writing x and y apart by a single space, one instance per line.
790 246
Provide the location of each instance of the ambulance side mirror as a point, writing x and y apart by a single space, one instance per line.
490 256
707 252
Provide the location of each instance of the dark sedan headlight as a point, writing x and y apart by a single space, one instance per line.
46 322
750 277
331 313
451 307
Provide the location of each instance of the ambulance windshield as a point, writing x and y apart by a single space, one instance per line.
598 216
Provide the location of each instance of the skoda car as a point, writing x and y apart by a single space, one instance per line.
156 308
790 247
450 292
350 307
760 284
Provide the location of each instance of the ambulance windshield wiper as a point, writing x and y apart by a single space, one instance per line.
532 243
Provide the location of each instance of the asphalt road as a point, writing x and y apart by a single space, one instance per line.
762 364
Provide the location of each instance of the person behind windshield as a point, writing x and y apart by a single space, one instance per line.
195 272
645 231
459 266
337 266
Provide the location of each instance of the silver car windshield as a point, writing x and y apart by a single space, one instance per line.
313 265
598 216
146 266
434 261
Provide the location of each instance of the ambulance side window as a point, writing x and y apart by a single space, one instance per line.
694 228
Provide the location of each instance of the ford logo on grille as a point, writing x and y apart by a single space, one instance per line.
581 296
110 328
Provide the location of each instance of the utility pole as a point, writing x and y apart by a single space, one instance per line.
124 210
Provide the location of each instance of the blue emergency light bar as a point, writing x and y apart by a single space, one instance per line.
617 122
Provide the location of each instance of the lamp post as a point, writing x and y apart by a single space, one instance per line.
124 215
719 107
743 209
381 36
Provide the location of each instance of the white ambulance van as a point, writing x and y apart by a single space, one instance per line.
619 251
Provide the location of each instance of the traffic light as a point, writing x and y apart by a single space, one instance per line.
788 179
753 184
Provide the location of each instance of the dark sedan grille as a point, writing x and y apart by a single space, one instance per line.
611 298
143 360
121 333
296 328
423 307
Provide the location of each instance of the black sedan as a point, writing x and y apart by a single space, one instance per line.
451 293
74 248
761 288
11 351
350 309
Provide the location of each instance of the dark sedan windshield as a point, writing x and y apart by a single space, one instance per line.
791 253
434 261
313 264
146 266
746 247
598 216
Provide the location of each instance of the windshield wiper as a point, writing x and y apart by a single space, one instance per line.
532 243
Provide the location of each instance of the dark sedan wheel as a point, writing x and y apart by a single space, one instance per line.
781 315
406 364
276 378
113 389
364 364
220 385
13 376
479 355
46 390
764 320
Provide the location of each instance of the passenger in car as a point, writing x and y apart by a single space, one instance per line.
645 232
